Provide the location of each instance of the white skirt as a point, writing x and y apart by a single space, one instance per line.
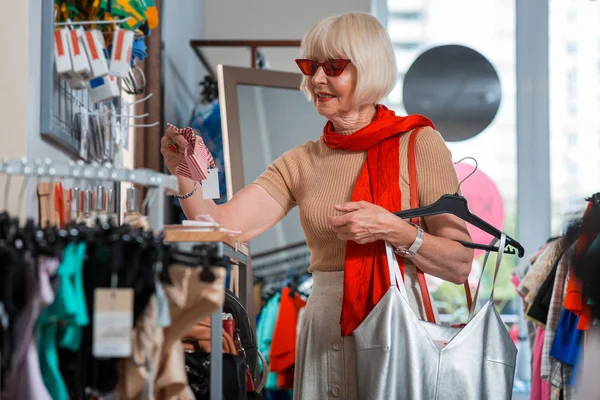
325 361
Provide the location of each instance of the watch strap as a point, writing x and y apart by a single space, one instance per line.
414 247
418 240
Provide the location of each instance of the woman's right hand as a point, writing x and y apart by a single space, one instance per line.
173 140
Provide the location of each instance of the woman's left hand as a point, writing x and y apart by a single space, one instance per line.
363 222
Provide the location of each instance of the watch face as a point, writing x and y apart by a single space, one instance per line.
405 253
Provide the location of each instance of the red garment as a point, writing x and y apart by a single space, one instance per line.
365 265
575 301
283 344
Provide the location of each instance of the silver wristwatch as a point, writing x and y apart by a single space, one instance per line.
412 250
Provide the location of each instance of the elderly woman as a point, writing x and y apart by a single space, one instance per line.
347 183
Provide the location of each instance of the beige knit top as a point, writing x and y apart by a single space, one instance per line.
315 178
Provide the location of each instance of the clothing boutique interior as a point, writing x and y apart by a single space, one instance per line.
277 199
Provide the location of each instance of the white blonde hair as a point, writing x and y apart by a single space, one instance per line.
361 38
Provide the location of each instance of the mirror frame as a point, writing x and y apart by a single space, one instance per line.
228 78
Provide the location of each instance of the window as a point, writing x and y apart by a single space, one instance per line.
406 45
495 148
489 28
573 158
406 15
572 83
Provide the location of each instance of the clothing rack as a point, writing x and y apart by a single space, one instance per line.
79 171
236 253
280 268
224 245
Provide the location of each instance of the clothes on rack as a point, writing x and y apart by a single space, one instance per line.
60 336
161 369
557 302
277 332
283 346
265 329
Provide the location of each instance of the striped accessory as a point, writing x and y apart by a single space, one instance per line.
197 157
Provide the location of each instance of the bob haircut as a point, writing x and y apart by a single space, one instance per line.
361 38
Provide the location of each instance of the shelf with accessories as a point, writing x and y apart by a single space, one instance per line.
88 60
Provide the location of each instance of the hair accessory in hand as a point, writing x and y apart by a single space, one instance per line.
197 157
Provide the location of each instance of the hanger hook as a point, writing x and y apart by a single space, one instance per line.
26 173
148 200
468 176
7 190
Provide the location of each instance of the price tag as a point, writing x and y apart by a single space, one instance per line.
210 186
113 322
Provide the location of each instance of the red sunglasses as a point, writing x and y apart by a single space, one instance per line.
333 67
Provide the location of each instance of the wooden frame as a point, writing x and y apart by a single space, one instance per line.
252 44
229 78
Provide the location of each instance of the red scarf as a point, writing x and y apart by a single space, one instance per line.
366 279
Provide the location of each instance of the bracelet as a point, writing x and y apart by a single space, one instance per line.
190 194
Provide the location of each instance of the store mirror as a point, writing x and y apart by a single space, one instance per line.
456 87
264 114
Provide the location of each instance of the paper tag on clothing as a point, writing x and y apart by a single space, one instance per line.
113 322
163 317
148 391
210 186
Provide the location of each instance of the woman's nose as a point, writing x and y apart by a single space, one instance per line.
319 77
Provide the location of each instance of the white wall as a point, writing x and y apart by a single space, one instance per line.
20 92
182 21
268 19
36 147
13 80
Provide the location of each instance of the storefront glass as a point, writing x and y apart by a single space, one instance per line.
574 104
488 28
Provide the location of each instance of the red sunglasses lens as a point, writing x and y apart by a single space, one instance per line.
307 67
334 67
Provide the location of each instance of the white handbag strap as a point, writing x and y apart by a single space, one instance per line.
501 248
396 276
394 270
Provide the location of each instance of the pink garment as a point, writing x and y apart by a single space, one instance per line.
515 280
24 380
540 389
197 156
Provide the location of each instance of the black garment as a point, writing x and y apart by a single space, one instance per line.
541 304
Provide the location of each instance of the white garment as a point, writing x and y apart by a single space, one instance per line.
588 385
299 324
325 361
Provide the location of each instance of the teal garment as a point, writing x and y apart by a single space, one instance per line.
266 327
60 324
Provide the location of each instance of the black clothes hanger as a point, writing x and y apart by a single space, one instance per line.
206 255
457 205
595 198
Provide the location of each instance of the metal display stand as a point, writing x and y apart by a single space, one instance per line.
228 246
79 171
237 254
